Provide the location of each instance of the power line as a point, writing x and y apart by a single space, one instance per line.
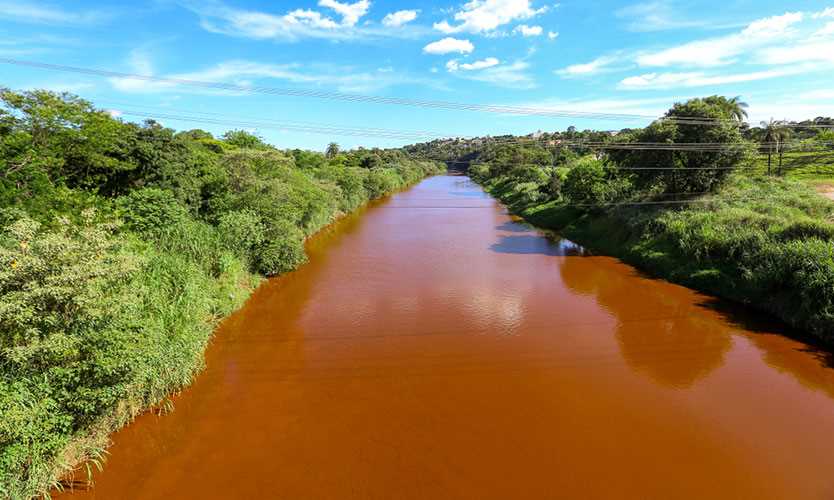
320 128
669 169
279 126
320 94
141 108
416 135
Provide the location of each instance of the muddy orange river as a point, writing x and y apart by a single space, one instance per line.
434 347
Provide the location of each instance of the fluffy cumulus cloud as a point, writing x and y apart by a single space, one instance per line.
553 35
350 12
399 18
449 45
478 16
489 62
525 30
829 12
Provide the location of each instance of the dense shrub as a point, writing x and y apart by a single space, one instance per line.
150 209
65 327
381 181
282 251
241 232
589 183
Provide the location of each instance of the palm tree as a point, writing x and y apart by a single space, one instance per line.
332 150
737 109
775 134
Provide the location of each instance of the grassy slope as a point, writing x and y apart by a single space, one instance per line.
764 242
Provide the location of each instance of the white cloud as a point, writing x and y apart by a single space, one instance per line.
722 50
804 106
399 18
700 79
297 24
449 45
645 108
350 12
807 52
596 66
140 63
489 62
829 12
528 30
478 16
656 15
552 35
43 13
821 94
513 76
241 73
301 17
825 31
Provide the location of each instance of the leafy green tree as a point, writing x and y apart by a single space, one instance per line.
244 139
687 168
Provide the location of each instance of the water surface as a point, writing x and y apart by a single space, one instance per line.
434 347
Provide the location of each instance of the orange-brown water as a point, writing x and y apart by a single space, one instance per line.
434 348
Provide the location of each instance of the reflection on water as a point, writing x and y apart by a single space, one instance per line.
660 332
535 244
433 347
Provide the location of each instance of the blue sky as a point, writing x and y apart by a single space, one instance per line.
613 57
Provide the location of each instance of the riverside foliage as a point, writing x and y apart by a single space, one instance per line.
708 219
121 245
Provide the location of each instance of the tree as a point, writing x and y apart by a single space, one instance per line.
737 109
244 139
686 168
773 138
332 150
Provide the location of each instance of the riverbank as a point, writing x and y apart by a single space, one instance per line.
121 248
179 298
763 242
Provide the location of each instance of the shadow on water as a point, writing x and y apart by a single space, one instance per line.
514 227
657 330
469 194
663 334
762 330
536 244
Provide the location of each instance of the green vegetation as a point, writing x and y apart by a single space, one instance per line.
122 245
709 219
